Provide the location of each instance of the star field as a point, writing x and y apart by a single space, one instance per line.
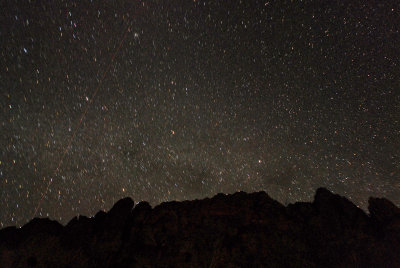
174 100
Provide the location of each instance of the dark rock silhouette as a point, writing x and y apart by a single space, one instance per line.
238 230
383 211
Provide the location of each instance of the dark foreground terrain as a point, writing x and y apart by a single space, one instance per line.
239 230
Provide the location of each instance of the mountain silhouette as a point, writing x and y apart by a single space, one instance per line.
237 230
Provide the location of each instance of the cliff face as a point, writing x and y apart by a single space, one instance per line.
238 230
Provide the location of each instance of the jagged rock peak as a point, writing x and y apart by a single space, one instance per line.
124 205
326 199
334 206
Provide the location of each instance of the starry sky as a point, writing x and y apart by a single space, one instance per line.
182 99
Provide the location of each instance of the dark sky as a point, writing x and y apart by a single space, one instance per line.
173 100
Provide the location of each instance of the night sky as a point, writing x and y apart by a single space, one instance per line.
175 100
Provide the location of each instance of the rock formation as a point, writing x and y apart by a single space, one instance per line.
238 230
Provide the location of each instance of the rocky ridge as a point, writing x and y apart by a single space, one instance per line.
238 230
